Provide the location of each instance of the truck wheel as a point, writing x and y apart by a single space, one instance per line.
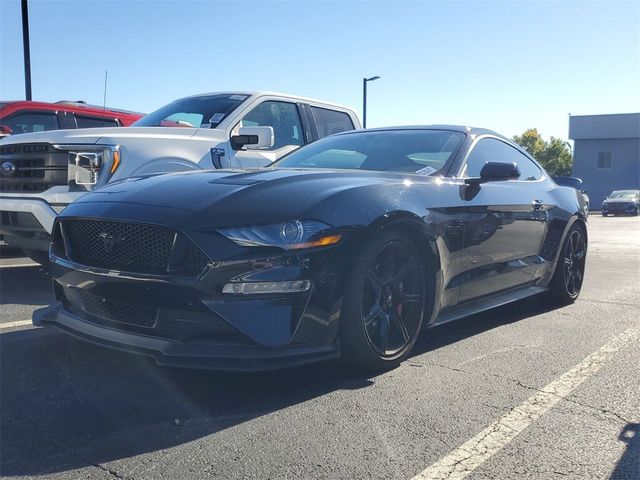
37 256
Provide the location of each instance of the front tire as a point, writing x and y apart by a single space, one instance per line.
568 277
384 303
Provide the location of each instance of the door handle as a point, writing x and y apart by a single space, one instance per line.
537 204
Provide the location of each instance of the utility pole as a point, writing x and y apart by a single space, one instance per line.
26 50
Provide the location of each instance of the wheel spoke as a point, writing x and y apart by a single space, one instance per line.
385 331
409 298
398 321
375 282
373 314
578 274
567 261
403 271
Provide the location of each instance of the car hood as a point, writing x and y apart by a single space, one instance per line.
231 197
106 135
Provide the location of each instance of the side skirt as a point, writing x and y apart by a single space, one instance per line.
485 303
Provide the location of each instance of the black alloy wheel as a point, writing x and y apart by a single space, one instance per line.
568 277
575 253
384 303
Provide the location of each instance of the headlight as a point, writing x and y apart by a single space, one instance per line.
291 235
90 164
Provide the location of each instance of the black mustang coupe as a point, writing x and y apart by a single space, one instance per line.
347 247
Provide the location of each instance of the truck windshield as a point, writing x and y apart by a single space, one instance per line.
196 112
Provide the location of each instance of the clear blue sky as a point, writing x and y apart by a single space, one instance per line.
501 65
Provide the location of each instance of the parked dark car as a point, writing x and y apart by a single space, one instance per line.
621 202
348 246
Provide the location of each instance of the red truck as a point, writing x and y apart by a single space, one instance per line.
26 116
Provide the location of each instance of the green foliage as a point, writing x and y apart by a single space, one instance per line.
555 155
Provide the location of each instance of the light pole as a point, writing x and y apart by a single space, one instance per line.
26 50
364 98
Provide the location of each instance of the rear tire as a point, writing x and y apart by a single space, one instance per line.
37 256
566 283
605 214
384 303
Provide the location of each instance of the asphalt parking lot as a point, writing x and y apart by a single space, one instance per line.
518 392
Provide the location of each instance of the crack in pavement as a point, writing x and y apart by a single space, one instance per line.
599 410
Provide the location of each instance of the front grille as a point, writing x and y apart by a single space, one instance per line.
129 313
620 207
129 247
36 167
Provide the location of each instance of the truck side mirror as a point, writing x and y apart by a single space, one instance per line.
256 137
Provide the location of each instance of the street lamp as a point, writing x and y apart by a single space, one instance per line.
364 98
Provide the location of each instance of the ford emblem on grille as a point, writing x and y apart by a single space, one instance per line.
8 169
110 241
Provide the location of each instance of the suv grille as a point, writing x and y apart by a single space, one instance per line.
129 313
130 247
38 167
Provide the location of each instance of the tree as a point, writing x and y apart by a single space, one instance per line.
555 155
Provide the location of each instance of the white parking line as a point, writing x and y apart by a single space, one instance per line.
473 453
16 265
19 323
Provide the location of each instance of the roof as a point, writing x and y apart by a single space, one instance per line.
12 104
264 93
592 127
455 128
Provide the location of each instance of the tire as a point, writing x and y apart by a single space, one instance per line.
566 283
384 303
605 214
37 256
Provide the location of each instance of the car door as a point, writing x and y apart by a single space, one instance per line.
505 222
288 133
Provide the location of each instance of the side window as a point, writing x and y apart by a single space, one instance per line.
32 122
94 122
330 121
492 150
284 119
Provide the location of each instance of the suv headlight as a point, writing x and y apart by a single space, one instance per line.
290 235
90 165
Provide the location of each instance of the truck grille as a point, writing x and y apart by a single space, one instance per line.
33 167
129 247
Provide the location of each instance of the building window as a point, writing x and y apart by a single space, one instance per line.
604 159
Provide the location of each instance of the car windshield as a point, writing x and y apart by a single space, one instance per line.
423 152
623 194
199 112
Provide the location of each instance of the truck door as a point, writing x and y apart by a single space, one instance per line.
288 134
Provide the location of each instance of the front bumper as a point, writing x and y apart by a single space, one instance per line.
620 208
194 354
27 222
187 321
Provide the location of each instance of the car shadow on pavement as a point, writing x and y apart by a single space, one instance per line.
628 466
66 404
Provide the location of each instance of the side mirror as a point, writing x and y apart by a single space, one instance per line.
496 171
5 131
256 137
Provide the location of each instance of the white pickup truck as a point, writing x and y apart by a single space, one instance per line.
41 173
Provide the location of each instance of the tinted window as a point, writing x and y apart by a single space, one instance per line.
492 150
284 119
31 122
330 121
94 122
199 112
418 151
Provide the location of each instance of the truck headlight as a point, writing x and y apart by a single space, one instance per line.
290 235
90 165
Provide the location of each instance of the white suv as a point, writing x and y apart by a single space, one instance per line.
41 173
